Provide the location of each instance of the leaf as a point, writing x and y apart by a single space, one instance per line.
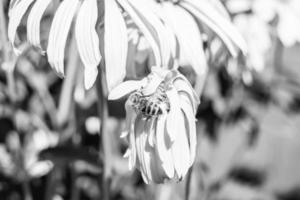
58 34
18 10
88 41
188 35
115 44
34 20
149 35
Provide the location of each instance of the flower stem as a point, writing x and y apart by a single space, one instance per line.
27 191
188 183
105 140
66 98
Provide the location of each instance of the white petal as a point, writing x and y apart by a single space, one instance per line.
124 134
90 75
12 4
132 145
172 118
115 44
188 35
152 86
145 178
125 88
183 86
34 21
127 153
88 41
164 151
177 132
220 8
151 134
157 9
180 149
59 32
144 154
149 35
16 14
190 119
129 132
142 8
221 26
130 118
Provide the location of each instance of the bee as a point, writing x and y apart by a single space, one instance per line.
152 105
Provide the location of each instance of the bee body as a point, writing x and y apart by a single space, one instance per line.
152 105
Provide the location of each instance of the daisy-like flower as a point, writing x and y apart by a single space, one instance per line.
161 126
172 30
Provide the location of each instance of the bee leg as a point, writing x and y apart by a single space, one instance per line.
153 109
159 110
148 108
143 107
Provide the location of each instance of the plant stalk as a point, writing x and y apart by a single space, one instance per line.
188 184
102 92
66 98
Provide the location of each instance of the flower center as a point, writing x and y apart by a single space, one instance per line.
152 105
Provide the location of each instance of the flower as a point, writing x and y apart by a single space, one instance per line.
172 29
161 125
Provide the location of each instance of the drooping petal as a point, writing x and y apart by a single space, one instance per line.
125 88
152 85
151 134
158 173
88 41
127 153
189 116
59 32
188 35
215 21
132 143
172 119
130 117
149 34
180 145
17 11
152 21
142 153
34 22
182 86
220 8
224 23
12 4
156 77
115 44
164 149
159 12
151 162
